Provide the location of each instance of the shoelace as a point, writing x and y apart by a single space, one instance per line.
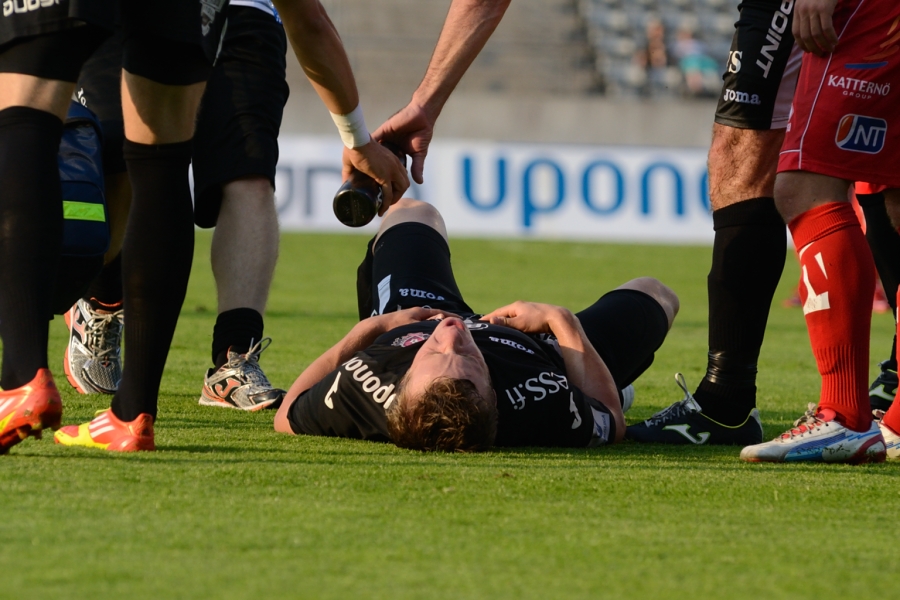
248 363
806 423
682 407
102 332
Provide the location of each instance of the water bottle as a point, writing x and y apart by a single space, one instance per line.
359 198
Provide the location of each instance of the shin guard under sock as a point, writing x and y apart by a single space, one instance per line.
31 227
236 329
748 258
156 264
835 265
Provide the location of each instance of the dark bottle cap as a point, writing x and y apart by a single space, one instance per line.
356 205
359 198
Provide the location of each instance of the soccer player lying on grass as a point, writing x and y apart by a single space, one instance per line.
426 372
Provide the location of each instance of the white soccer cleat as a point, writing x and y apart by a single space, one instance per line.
93 359
891 439
627 398
818 437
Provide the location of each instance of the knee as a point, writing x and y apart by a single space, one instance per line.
407 210
656 289
408 204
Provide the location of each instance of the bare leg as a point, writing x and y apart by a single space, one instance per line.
245 244
742 164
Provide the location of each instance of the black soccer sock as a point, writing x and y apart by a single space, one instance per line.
31 227
884 242
156 264
236 329
748 258
107 286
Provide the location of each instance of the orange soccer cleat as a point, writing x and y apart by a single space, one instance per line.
28 410
107 432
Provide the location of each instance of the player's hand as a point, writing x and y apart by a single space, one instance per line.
380 164
527 317
411 129
392 320
813 28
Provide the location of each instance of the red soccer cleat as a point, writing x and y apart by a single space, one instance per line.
28 410
107 432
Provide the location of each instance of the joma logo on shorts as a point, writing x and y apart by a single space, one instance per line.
741 97
419 294
781 22
24 6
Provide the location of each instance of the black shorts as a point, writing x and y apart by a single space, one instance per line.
409 266
240 116
56 55
99 89
763 64
27 18
173 42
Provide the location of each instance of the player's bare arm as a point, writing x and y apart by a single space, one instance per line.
584 367
467 28
361 336
321 54
813 28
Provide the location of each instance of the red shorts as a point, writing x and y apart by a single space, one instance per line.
845 119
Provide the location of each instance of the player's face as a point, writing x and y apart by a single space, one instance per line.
449 352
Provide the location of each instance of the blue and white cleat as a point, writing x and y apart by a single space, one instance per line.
891 439
818 437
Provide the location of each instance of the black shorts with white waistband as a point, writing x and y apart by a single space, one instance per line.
762 69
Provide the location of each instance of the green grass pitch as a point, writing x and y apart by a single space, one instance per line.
229 509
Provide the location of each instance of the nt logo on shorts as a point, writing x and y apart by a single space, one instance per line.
858 133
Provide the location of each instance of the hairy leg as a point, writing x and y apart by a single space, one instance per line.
742 164
245 244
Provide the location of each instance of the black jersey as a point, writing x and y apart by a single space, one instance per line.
537 404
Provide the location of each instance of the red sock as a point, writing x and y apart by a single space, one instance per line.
892 416
836 274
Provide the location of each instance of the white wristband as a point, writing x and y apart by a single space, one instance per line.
352 128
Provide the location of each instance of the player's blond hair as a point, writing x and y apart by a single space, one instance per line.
450 416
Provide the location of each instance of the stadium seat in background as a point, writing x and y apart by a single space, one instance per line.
697 36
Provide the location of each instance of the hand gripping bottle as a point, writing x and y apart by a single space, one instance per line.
359 198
